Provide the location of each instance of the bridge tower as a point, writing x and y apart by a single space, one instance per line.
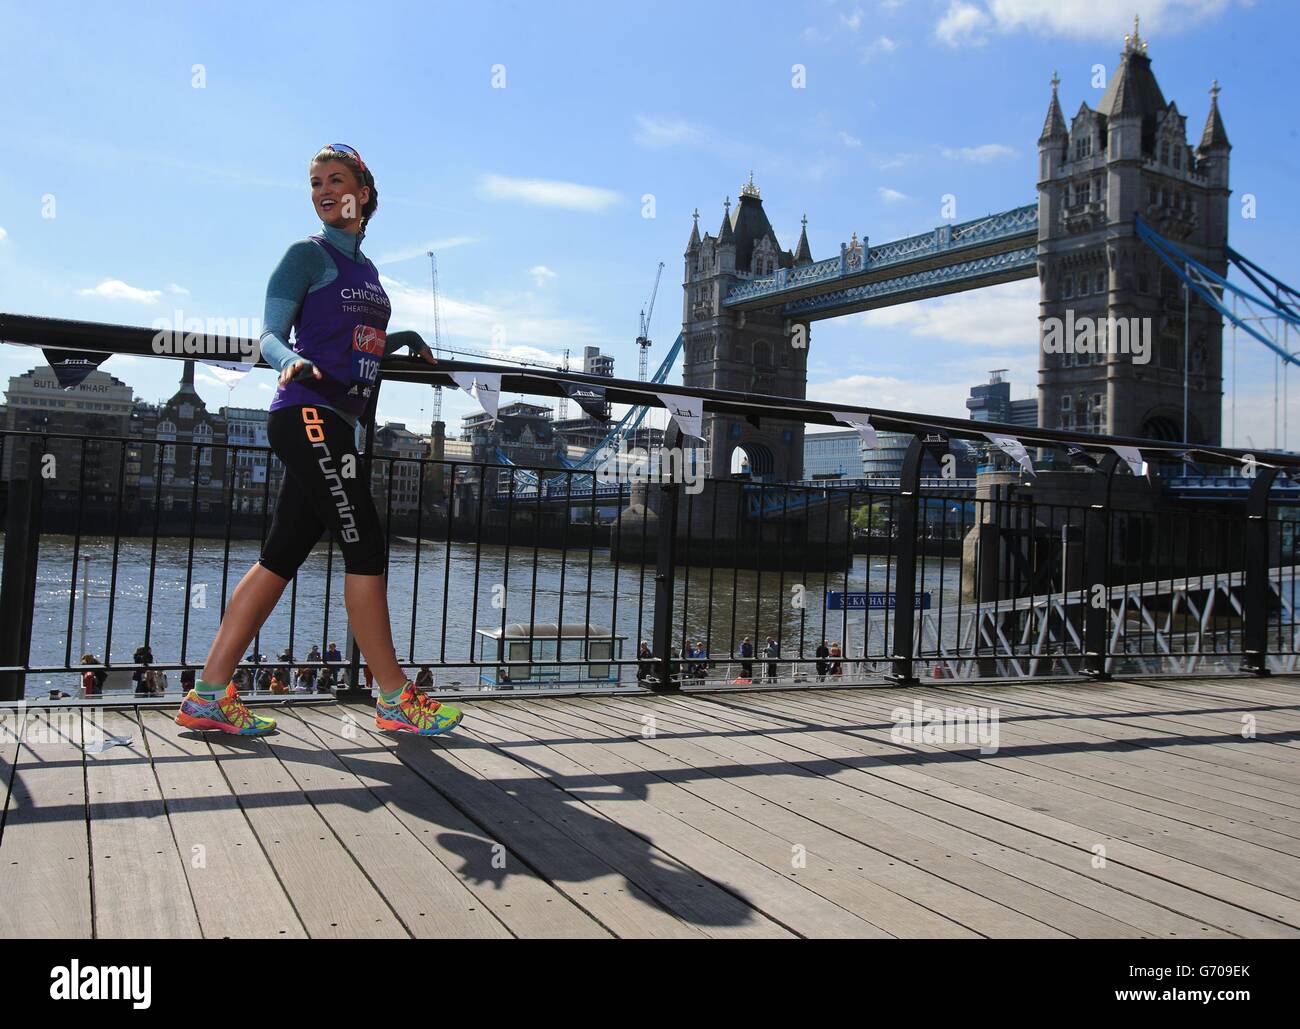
1130 156
749 352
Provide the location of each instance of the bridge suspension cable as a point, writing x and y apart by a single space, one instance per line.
1268 315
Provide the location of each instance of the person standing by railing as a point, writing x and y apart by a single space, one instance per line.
645 664
773 651
823 666
746 659
92 680
330 293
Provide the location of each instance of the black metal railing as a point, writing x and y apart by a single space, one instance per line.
495 582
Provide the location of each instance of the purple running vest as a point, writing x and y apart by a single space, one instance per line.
341 328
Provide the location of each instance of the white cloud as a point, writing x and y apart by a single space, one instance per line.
547 193
1005 315
3 234
890 196
852 21
850 141
893 162
178 291
1106 20
541 274
880 45
658 133
885 391
964 24
510 323
814 35
422 249
116 289
968 24
982 154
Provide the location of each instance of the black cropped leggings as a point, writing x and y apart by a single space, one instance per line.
324 487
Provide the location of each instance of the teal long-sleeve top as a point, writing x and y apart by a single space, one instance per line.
303 269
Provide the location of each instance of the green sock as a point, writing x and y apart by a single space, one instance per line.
391 698
207 691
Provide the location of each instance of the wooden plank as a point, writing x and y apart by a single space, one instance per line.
914 793
1023 862
1051 746
425 895
235 888
1019 905
1131 745
1220 756
526 904
1137 761
978 791
1161 773
745 859
139 882
1003 777
577 865
1273 689
678 887
1278 726
1185 887
44 850
332 895
702 794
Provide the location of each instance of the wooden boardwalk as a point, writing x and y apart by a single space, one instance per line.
1129 809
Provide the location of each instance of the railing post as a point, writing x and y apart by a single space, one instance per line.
18 588
665 572
1096 548
909 499
1255 578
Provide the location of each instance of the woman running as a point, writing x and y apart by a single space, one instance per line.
329 292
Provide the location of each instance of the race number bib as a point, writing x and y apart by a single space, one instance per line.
367 350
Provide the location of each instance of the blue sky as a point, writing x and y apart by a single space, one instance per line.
169 197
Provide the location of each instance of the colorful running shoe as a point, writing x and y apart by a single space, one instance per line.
226 714
414 712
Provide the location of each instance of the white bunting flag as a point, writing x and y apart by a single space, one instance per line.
860 422
1013 448
687 412
229 372
485 387
1133 457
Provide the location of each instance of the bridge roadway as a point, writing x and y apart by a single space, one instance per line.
1125 809
997 248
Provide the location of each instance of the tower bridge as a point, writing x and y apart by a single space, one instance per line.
748 304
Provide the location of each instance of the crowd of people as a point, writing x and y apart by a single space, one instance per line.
693 662
319 673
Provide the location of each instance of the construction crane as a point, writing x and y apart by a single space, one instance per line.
437 334
643 340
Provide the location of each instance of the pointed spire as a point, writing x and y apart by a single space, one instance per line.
1135 44
1215 135
1054 124
695 231
749 189
802 253
727 236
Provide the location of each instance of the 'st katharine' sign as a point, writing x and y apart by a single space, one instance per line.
871 601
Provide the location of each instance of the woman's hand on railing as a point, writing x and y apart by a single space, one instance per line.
300 369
